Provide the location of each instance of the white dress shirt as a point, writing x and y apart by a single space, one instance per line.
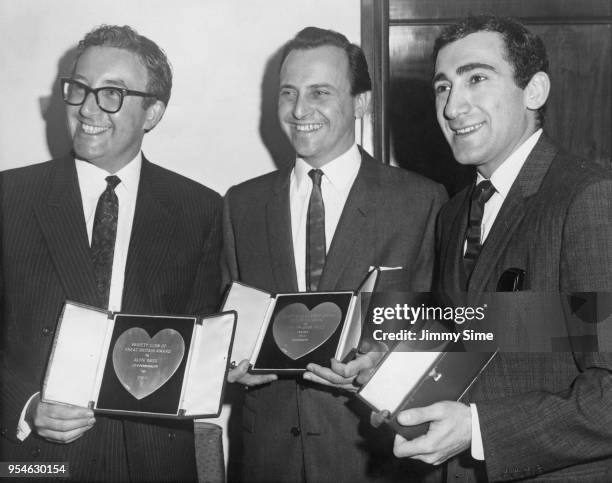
502 180
92 183
336 182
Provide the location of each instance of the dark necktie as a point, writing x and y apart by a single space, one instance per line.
481 194
209 448
315 233
103 238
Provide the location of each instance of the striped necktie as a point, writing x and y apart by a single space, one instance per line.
480 195
315 233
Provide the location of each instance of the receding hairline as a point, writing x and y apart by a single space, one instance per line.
307 49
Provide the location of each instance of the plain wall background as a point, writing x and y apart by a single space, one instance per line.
220 127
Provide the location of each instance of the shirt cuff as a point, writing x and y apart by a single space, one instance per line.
23 428
477 447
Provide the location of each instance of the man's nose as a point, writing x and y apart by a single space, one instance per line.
90 104
301 107
457 103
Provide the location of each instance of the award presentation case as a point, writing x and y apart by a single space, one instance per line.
282 333
149 365
409 378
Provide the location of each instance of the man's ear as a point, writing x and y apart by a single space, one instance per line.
362 104
537 90
154 114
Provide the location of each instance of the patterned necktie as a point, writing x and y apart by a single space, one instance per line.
209 448
315 233
481 194
103 238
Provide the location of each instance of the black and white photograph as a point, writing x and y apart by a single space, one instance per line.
156 155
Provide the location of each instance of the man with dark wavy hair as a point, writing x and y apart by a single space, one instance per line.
368 214
536 218
105 227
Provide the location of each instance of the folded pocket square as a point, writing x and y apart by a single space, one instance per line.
384 269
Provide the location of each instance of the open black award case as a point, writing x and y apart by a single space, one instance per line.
282 333
150 365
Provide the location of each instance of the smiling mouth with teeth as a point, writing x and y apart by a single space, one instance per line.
307 127
89 129
467 130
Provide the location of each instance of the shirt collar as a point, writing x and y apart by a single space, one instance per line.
340 172
504 176
92 179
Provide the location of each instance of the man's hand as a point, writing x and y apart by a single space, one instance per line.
241 375
58 423
345 376
341 376
450 432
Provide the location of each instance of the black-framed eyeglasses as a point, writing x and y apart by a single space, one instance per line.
109 99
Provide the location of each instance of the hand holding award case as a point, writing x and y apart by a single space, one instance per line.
152 365
282 333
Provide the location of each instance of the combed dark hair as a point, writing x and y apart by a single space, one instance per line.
525 51
152 57
313 37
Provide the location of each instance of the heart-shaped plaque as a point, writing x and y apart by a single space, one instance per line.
143 364
298 331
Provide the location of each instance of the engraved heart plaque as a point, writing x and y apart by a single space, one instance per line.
298 331
143 364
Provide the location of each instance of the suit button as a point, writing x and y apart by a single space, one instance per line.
171 435
3 431
35 452
295 431
47 331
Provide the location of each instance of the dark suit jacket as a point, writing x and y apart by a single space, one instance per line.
294 430
547 414
171 268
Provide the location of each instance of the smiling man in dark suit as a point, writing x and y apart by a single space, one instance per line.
320 225
540 219
105 227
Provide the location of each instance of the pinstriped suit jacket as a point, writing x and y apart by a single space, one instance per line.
294 430
541 414
172 267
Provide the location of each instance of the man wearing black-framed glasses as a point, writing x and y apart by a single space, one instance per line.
104 227
109 99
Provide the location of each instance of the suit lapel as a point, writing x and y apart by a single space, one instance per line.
512 212
62 223
280 239
152 232
360 204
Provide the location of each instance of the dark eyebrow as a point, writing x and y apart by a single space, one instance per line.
108 83
311 86
439 77
321 86
473 66
462 69
116 82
